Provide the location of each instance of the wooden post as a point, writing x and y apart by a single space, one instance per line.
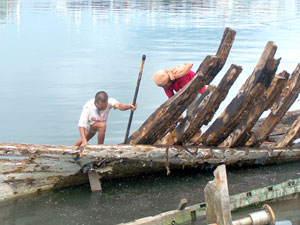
289 95
240 135
217 199
94 179
239 108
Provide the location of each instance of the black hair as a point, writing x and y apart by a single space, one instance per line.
101 96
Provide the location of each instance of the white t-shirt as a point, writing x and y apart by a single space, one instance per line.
91 114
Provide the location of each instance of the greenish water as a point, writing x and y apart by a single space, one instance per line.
127 199
56 54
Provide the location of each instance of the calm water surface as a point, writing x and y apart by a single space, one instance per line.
56 54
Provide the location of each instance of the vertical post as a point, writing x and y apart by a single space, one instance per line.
217 199
94 179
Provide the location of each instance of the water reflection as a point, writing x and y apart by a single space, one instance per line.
10 11
57 54
201 12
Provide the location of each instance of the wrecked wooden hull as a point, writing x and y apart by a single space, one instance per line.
27 168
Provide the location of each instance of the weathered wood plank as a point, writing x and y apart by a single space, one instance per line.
289 95
95 183
203 109
289 137
121 160
217 198
240 135
159 121
239 108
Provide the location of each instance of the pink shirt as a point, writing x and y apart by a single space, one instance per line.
180 83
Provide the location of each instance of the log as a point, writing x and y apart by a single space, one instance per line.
159 121
289 95
27 168
203 109
239 108
289 137
241 134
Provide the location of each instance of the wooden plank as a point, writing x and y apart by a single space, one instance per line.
94 179
47 167
282 127
289 95
289 137
217 199
203 109
239 108
159 121
240 135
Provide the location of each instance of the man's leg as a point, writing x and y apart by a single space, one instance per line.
101 128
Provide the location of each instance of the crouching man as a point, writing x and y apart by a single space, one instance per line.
94 116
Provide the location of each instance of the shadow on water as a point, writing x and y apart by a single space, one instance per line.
127 199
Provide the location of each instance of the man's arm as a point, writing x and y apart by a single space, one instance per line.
82 136
168 92
123 107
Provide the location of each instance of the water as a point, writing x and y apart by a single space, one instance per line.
127 199
56 54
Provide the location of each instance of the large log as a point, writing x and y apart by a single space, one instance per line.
155 127
239 108
27 168
240 135
203 109
289 95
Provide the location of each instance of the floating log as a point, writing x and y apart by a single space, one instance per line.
239 108
289 95
203 109
27 168
241 134
159 122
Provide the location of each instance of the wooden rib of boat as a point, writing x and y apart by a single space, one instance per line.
235 137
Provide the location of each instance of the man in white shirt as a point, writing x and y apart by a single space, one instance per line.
94 116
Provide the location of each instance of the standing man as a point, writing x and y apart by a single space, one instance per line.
94 116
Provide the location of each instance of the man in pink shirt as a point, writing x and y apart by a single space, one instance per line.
180 83
174 80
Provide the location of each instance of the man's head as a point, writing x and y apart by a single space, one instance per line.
165 78
101 100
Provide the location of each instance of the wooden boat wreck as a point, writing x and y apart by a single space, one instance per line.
218 205
233 138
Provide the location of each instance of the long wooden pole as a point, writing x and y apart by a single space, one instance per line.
134 98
